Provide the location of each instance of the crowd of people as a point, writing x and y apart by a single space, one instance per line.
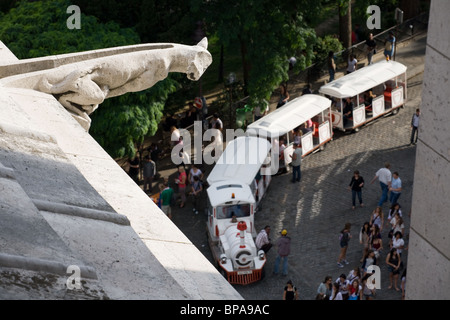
381 226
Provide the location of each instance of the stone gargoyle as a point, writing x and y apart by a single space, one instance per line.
80 87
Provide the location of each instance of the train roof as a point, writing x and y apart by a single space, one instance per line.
229 191
241 160
290 116
363 79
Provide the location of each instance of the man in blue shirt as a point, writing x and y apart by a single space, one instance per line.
395 188
389 46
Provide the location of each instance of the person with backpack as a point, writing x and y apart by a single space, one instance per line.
344 239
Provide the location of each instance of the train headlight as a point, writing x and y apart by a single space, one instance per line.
261 254
223 258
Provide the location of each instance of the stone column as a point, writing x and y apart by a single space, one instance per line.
428 270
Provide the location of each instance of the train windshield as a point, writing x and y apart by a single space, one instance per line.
226 212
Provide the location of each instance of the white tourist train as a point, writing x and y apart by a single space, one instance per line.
242 175
231 208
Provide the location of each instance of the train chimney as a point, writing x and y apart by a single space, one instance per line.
242 226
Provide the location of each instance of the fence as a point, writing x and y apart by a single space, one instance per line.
403 32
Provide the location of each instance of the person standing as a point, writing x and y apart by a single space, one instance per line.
181 181
281 160
196 190
262 240
166 199
367 292
290 291
415 127
371 48
364 239
133 171
326 287
389 46
395 188
352 64
149 173
284 96
377 218
296 162
344 239
347 111
336 293
393 262
356 185
216 122
331 65
384 176
195 171
284 249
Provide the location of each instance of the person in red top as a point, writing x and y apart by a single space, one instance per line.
181 181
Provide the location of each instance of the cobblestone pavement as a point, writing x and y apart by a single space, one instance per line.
315 210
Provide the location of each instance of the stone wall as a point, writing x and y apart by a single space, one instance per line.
428 270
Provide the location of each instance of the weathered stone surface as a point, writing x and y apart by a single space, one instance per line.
429 261
81 86
65 201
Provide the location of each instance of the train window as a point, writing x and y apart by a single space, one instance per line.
229 186
226 212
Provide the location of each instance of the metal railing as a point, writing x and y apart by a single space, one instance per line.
402 32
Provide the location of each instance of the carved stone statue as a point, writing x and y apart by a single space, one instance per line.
80 87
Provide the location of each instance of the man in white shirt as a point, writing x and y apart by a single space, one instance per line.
352 63
262 240
281 160
384 175
296 162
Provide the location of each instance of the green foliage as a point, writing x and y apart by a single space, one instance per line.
325 45
122 123
269 33
36 29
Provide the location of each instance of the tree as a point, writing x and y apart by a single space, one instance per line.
36 29
268 33
411 8
345 22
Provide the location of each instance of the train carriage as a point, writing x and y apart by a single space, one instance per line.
374 91
231 207
311 108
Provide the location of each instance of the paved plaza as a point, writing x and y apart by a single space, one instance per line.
315 211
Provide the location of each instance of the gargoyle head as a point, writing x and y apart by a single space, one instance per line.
201 61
